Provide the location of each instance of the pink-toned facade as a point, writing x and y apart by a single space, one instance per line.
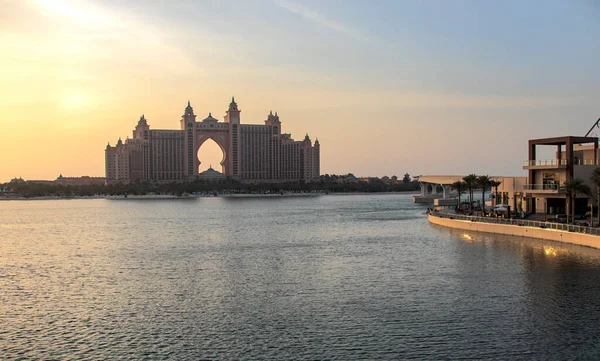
251 152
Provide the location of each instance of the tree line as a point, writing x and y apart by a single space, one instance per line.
473 182
327 183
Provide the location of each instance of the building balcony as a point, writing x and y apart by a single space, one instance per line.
545 164
585 162
542 188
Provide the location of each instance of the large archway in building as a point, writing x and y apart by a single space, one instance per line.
211 128
210 155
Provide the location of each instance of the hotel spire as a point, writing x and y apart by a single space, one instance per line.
233 105
142 120
189 110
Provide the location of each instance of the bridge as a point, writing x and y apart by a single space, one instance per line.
437 189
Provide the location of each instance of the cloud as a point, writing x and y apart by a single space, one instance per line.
318 18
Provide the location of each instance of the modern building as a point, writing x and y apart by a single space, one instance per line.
576 157
251 152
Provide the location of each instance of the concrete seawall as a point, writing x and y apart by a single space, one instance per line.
581 239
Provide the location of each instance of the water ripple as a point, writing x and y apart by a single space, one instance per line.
361 277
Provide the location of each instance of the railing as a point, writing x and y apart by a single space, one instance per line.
585 162
541 163
541 187
520 222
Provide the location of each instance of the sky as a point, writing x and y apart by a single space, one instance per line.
388 87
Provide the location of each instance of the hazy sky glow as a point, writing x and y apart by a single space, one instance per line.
425 87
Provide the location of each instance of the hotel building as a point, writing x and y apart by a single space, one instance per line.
251 152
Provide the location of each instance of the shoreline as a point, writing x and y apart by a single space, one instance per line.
193 196
270 195
581 239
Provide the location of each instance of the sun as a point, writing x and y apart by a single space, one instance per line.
80 12
58 6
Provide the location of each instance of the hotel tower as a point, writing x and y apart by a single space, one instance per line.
251 152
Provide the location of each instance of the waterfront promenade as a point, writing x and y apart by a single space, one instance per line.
567 233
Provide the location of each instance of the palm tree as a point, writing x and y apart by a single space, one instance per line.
460 187
596 180
471 183
495 184
573 187
484 182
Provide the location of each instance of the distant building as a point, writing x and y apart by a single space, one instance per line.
211 175
79 181
350 178
41 181
72 181
390 180
369 179
17 180
251 152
